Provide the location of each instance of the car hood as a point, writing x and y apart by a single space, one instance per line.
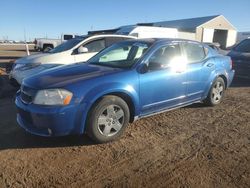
67 74
42 58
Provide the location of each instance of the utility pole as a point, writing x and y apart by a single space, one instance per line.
26 45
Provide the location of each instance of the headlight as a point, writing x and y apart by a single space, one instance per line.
26 66
53 97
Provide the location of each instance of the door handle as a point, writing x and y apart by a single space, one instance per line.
210 64
179 71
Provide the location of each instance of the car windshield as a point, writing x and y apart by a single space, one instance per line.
120 55
243 46
66 45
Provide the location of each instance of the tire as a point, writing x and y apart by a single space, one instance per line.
216 92
47 47
107 119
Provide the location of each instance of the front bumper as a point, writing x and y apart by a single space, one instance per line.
49 121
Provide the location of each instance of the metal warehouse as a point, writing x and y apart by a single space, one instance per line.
215 29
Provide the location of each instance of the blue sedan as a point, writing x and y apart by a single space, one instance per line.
124 82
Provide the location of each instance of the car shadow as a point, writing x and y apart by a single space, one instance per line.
17 138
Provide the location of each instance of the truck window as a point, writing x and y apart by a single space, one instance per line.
112 40
67 37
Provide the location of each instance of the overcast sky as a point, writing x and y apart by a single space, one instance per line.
41 18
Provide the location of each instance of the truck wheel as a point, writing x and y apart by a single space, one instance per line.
107 119
47 47
216 92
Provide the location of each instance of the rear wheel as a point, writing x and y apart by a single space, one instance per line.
216 92
108 119
47 47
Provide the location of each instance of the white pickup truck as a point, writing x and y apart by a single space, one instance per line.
45 44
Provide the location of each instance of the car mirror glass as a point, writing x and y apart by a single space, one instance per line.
82 49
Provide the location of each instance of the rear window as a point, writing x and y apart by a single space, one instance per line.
194 52
243 46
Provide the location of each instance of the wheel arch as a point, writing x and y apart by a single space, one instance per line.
47 45
224 78
124 96
212 78
91 99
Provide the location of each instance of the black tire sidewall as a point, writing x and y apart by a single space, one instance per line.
97 109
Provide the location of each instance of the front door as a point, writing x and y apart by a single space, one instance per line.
162 86
93 48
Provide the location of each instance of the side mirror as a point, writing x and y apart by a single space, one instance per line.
143 68
82 49
155 65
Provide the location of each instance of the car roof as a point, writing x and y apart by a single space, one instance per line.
105 35
160 40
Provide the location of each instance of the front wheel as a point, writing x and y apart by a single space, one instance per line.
216 92
108 119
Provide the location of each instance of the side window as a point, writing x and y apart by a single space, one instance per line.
95 46
194 52
165 55
112 40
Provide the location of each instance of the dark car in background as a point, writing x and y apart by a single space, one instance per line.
240 55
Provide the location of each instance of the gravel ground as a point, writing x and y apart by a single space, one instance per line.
195 146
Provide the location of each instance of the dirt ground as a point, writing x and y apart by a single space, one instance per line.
195 146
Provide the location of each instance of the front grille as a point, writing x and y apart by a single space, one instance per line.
27 94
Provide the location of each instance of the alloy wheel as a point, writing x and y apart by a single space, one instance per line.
111 120
217 92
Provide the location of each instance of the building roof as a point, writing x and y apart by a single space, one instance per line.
188 25
184 24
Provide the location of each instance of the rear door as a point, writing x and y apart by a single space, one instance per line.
199 68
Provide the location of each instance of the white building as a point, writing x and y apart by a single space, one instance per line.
215 29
